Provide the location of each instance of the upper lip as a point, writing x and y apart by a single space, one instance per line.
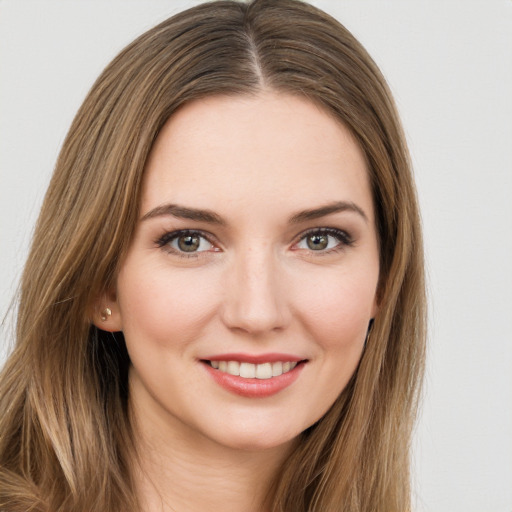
254 358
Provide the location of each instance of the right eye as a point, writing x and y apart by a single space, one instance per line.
186 242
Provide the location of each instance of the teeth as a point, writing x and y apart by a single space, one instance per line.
233 368
247 370
261 371
277 369
264 371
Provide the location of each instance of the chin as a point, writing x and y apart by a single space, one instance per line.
257 435
258 442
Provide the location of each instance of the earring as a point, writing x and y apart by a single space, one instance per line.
105 314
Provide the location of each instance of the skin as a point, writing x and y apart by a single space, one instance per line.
254 286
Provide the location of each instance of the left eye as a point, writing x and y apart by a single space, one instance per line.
322 241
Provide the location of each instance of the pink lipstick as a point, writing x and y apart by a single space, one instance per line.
254 376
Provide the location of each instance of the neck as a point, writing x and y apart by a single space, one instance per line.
179 470
180 482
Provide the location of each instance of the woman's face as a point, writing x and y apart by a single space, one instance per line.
246 294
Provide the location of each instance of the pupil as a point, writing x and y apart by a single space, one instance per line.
317 242
188 243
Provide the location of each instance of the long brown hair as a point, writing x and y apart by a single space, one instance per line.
65 436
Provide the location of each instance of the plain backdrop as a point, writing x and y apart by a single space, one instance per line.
449 64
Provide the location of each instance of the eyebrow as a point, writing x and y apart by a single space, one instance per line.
328 209
210 217
182 212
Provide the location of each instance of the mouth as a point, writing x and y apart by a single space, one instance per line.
254 376
262 371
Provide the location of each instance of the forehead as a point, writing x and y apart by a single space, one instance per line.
250 150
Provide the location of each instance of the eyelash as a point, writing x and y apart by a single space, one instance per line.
164 242
344 239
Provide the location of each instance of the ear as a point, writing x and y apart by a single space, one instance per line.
106 314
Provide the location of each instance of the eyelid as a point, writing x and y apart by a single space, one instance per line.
164 241
344 238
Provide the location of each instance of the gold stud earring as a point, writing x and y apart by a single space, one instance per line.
105 314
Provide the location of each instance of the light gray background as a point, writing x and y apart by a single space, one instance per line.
449 64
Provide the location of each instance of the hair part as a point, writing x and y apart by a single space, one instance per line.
66 441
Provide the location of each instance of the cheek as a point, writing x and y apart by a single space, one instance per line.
337 310
163 306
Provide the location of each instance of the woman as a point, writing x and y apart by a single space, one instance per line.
223 307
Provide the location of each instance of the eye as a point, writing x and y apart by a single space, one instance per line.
324 240
186 242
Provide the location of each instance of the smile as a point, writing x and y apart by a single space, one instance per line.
254 376
261 371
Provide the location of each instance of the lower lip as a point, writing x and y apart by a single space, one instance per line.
254 388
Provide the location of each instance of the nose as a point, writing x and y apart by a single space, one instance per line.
254 294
